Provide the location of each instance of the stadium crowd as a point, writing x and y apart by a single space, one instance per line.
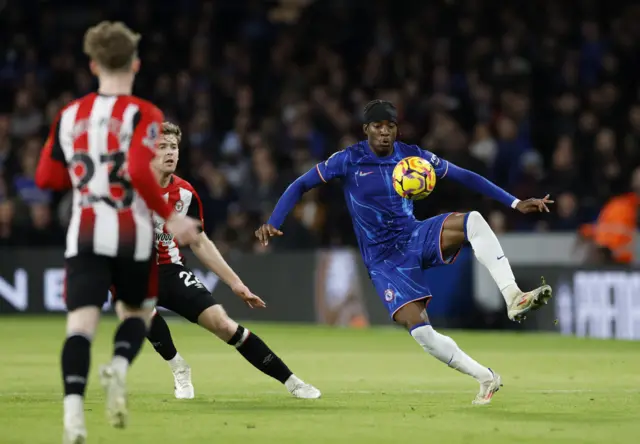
541 97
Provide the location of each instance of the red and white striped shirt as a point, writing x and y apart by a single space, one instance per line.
102 146
184 200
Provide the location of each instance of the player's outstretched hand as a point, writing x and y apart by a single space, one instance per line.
184 229
249 298
265 232
534 205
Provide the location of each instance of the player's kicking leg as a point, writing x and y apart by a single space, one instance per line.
414 317
254 350
486 247
160 337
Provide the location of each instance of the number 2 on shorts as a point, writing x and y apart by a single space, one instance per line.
189 278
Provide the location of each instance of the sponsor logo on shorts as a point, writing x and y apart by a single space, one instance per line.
179 206
389 295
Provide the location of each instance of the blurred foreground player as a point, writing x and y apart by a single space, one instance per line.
101 145
396 248
182 292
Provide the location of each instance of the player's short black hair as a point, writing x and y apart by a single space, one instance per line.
375 102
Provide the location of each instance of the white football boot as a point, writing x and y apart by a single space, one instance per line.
300 389
488 389
75 431
183 387
529 301
74 435
115 389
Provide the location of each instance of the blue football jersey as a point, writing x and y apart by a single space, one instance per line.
381 218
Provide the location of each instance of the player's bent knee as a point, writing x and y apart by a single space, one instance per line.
412 314
125 311
475 217
216 320
453 233
83 321
120 311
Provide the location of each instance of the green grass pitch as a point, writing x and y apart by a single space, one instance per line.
378 387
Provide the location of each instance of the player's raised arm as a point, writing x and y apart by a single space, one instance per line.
332 168
52 170
210 256
484 186
206 251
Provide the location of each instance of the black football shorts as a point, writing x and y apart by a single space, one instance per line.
89 277
182 292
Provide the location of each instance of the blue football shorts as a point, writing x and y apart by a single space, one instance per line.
400 279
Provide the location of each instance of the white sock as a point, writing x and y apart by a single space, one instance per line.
73 404
176 362
73 411
446 350
120 365
489 253
292 382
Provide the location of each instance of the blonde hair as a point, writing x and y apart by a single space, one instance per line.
171 129
112 45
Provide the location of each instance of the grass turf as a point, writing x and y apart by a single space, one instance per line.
378 387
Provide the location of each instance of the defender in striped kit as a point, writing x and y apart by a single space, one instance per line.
101 146
181 292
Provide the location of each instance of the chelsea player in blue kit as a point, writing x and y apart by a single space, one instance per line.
397 248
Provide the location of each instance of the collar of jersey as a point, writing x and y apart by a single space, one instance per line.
375 156
171 181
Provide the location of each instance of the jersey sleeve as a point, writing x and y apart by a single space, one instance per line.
52 169
293 193
195 208
147 124
334 167
440 165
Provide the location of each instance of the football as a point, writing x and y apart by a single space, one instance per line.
414 178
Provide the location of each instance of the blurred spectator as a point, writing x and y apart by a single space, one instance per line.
6 223
615 229
608 172
26 119
564 174
542 100
506 168
216 195
484 146
631 139
7 151
24 182
566 216
498 222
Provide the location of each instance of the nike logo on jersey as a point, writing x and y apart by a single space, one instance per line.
501 257
362 174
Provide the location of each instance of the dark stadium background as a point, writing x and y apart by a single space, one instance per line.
541 96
